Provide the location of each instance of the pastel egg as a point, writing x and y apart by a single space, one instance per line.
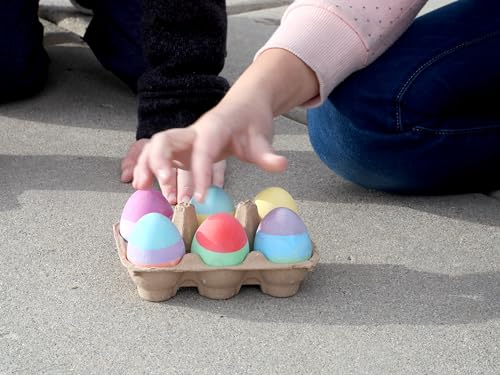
216 200
273 197
221 241
140 203
283 238
155 242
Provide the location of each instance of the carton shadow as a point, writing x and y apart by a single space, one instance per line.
345 294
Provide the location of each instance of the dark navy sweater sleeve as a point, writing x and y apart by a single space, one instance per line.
185 48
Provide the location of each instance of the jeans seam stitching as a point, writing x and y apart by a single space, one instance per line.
456 132
440 56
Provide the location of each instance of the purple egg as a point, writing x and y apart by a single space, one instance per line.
283 238
282 221
141 203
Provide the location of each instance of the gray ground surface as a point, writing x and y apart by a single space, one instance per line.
406 285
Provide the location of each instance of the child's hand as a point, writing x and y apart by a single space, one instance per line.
178 190
238 126
130 160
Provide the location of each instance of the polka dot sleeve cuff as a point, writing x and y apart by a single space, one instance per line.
336 38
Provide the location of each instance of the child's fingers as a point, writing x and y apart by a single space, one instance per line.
202 171
143 176
185 186
130 160
261 153
207 146
160 163
127 172
160 158
169 187
219 169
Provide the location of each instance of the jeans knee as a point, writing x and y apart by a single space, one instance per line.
413 162
330 141
372 159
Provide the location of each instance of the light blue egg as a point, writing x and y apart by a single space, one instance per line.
292 248
154 231
216 200
283 238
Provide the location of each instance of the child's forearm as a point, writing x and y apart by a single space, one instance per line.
338 37
278 80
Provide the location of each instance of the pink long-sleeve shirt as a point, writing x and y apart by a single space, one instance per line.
337 37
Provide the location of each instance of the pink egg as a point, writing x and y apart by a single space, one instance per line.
141 203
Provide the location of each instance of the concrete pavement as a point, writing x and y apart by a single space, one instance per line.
406 285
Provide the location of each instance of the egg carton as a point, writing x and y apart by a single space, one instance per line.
160 284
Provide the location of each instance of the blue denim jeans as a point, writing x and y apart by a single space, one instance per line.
114 35
424 118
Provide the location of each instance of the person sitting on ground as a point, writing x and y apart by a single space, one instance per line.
173 68
394 104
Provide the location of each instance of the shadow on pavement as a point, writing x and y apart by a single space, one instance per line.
56 172
345 294
79 93
308 179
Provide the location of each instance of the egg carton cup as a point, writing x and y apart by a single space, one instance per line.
158 284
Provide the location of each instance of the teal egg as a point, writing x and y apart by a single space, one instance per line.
155 242
217 200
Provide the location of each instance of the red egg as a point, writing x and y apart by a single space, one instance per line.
221 241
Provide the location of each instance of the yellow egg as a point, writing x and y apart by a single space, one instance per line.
273 197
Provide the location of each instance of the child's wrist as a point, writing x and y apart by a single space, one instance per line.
275 82
284 80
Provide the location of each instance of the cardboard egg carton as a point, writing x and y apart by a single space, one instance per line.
161 284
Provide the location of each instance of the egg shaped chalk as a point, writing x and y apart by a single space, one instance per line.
216 200
155 242
273 197
283 238
221 241
140 203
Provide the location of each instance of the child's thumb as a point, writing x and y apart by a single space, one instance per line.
272 162
264 156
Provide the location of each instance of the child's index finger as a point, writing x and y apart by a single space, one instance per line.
202 174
